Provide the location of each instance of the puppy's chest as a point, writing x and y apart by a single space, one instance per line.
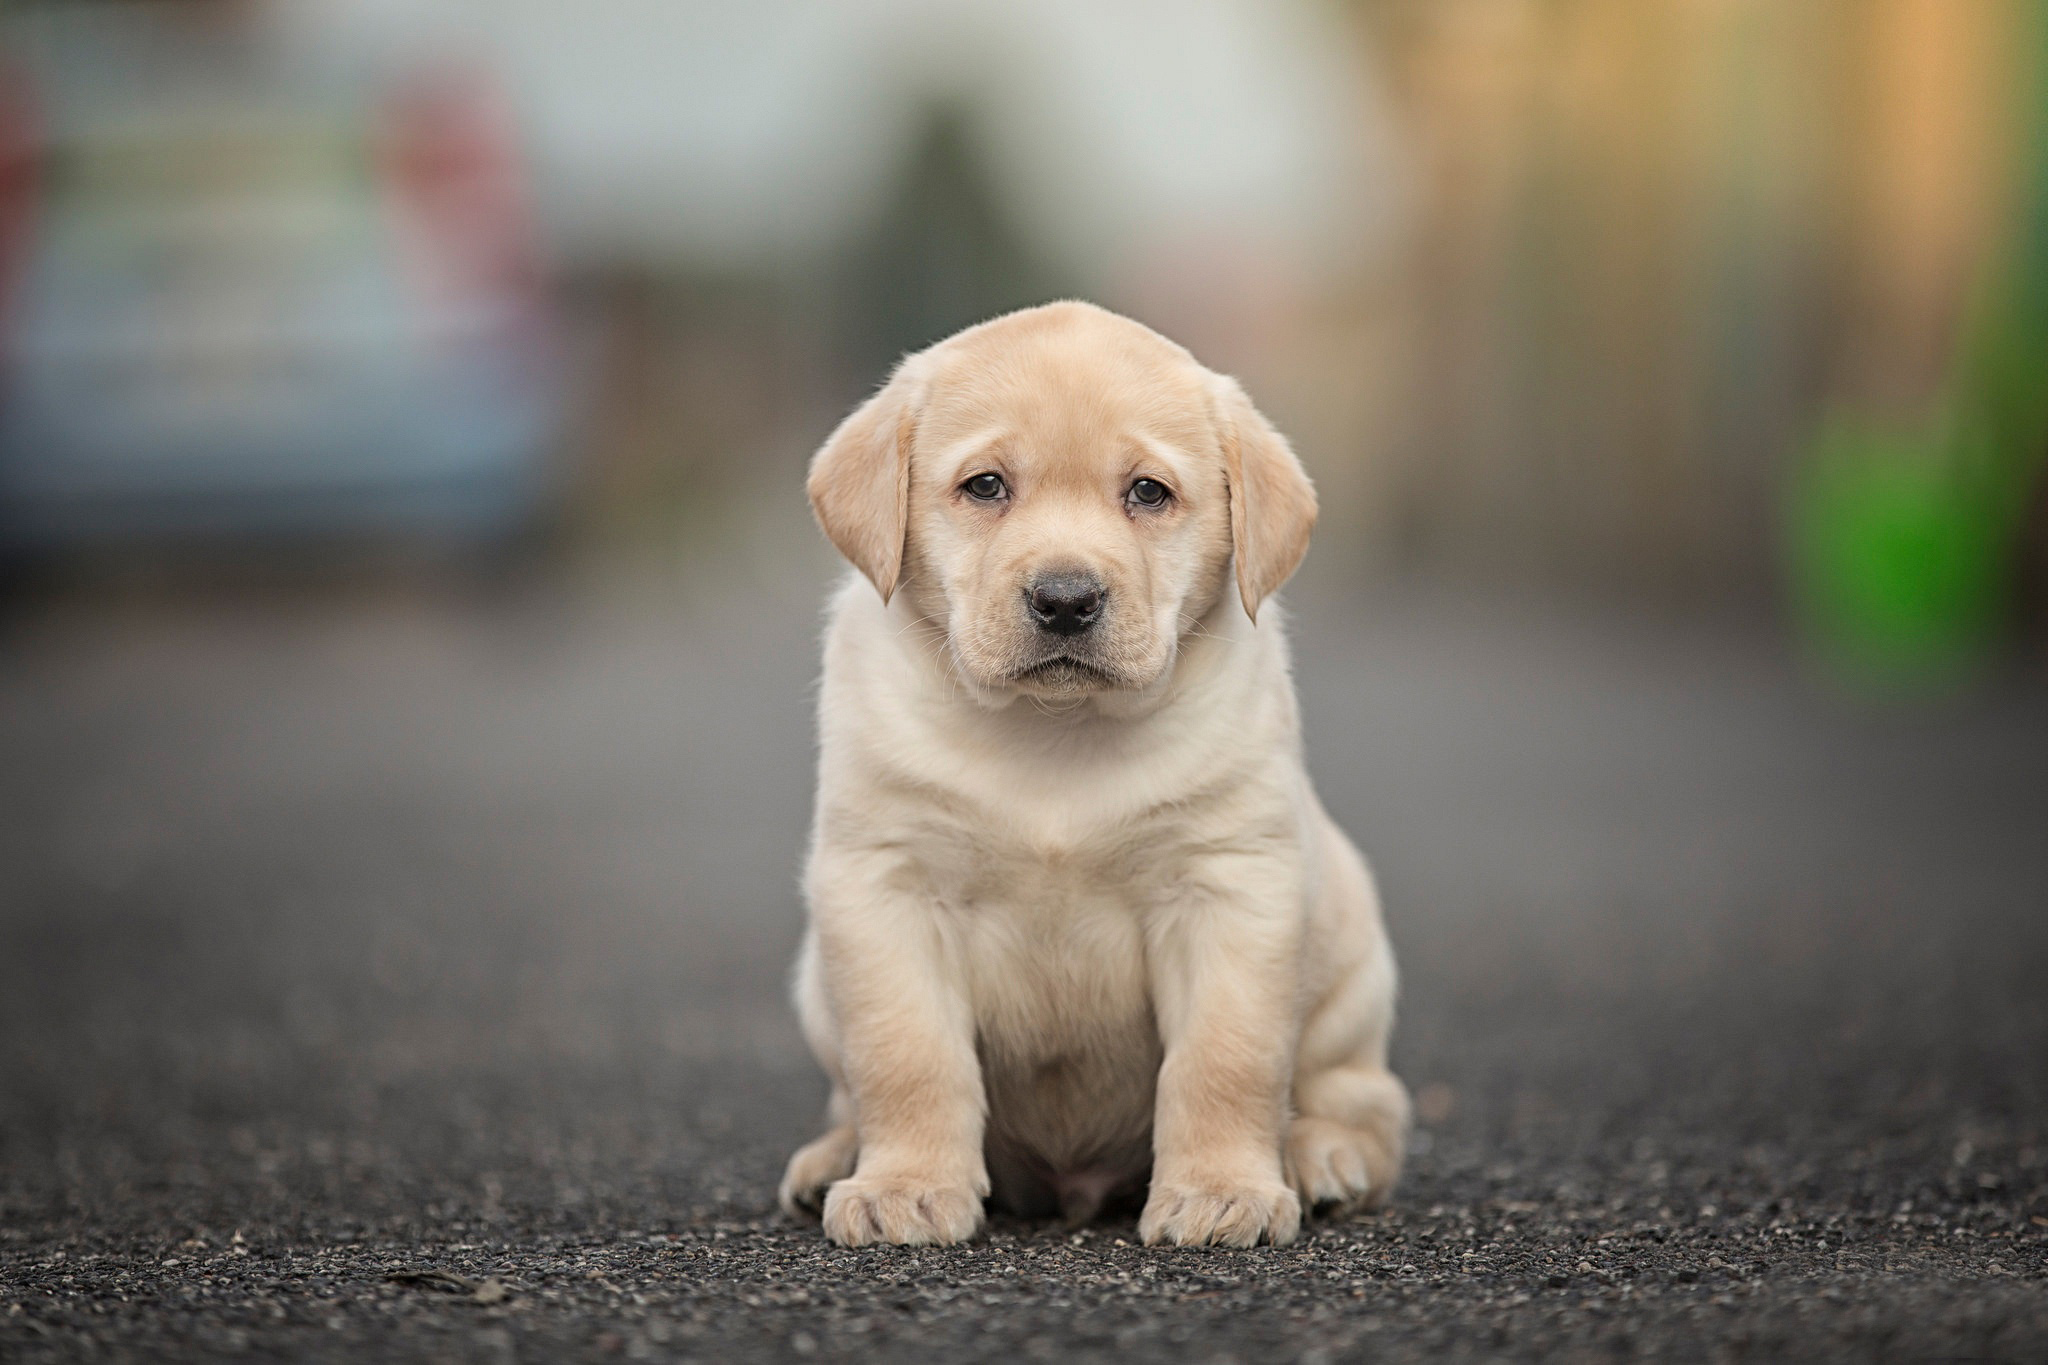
1050 937
1046 877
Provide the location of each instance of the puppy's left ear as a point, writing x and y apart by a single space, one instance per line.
860 481
1272 503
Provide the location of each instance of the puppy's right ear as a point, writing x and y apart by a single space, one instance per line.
860 481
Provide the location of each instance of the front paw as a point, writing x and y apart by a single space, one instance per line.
1220 1213
862 1210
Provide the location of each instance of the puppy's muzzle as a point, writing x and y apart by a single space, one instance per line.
1065 604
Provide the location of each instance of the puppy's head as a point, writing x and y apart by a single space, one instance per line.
1064 491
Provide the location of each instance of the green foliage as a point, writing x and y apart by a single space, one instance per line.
1904 543
1900 574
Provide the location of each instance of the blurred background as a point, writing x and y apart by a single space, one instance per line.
410 598
1714 302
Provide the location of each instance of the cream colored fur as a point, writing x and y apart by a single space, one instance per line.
1077 920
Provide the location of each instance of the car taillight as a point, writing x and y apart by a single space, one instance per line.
20 171
447 151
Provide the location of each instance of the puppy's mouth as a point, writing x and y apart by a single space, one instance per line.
1064 674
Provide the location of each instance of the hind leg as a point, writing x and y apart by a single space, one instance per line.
820 1162
1345 1146
1352 1159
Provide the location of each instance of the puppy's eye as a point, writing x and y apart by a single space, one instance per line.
985 487
1149 493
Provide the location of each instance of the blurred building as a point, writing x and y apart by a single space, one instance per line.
1657 240
769 204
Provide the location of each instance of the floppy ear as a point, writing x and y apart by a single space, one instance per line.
1272 503
860 482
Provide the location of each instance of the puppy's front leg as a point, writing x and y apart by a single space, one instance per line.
906 1040
1223 974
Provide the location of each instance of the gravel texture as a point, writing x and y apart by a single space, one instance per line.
397 975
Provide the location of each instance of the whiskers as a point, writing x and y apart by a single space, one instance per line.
1192 628
934 638
994 663
932 631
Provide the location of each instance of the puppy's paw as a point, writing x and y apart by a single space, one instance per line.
1220 1213
862 1210
1332 1166
815 1166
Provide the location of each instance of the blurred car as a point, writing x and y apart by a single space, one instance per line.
246 290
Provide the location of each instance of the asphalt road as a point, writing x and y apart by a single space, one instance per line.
397 974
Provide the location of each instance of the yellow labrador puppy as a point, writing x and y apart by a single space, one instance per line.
1077 919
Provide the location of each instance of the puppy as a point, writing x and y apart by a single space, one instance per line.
1077 919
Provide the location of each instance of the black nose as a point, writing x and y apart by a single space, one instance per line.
1065 604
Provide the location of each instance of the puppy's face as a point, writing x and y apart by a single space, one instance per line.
1063 490
1068 515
